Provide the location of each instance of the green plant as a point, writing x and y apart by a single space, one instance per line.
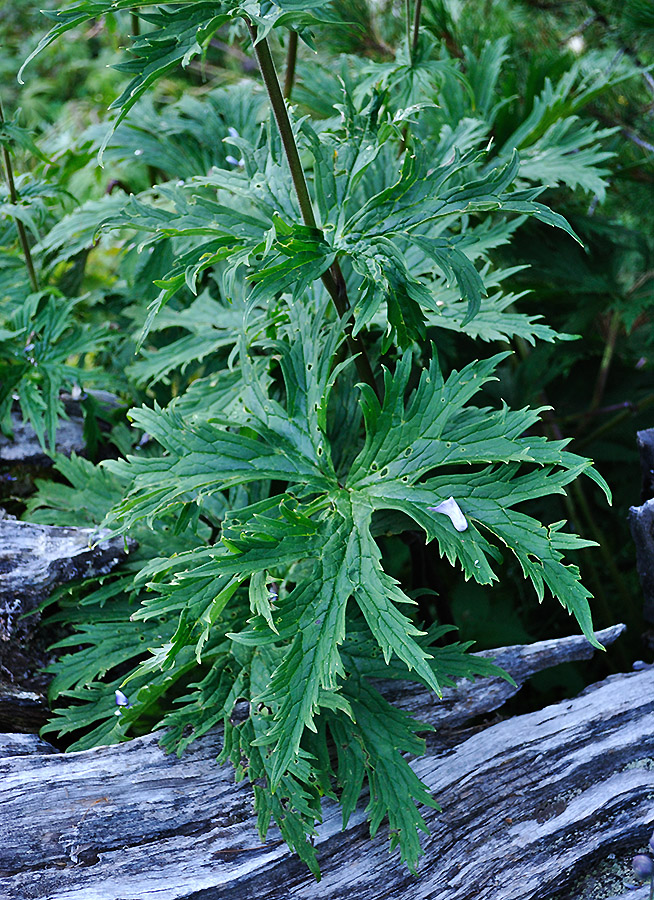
302 284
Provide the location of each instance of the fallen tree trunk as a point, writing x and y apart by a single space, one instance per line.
34 559
641 522
528 803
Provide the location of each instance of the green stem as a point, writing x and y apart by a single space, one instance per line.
578 512
291 59
416 28
136 25
22 233
612 423
333 278
407 8
605 364
270 80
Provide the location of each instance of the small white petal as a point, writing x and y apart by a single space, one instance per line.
452 509
121 699
576 44
232 132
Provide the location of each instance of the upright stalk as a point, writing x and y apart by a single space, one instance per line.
607 358
22 234
412 35
416 28
333 278
291 59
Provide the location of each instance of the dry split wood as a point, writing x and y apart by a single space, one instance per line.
34 559
527 802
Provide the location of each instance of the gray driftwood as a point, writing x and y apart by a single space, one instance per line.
24 448
34 559
527 802
641 522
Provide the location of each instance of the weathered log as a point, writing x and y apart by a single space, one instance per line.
645 441
528 803
466 701
34 559
641 522
22 745
24 448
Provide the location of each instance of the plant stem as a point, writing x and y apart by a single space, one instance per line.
291 59
270 80
605 364
22 234
136 25
416 27
577 512
333 278
616 420
412 44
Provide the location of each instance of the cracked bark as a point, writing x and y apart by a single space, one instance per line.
528 804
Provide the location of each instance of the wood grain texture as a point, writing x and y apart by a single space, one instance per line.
24 448
641 522
34 559
527 803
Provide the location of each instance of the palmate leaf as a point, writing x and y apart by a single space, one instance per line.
179 34
187 138
181 31
35 364
207 457
12 135
498 318
210 327
312 665
246 221
333 604
373 743
436 428
569 153
347 563
374 237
